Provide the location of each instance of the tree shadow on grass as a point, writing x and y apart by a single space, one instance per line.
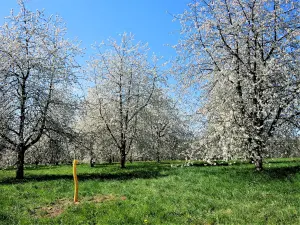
121 175
281 172
135 165
247 172
282 161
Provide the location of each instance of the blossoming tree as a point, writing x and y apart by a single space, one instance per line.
245 56
36 69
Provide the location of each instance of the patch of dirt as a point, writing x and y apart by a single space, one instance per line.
54 209
51 211
103 198
57 208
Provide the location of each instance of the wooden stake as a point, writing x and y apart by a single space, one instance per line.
75 181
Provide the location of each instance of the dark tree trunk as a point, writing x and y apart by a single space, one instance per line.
123 158
257 158
110 160
123 153
157 156
258 164
255 153
20 163
92 163
157 150
131 158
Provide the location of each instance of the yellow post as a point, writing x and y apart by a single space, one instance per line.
75 181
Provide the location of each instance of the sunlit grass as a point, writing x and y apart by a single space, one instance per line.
151 193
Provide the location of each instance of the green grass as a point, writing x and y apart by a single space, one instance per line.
151 193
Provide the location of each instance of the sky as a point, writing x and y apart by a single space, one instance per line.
94 21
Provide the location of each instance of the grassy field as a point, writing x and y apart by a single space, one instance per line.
151 193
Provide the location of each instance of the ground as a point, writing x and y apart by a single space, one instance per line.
152 193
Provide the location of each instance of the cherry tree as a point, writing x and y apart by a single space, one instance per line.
92 136
36 69
161 128
124 81
244 55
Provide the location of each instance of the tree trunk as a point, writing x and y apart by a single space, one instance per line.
92 163
258 164
110 160
157 156
123 158
158 148
20 163
131 158
257 158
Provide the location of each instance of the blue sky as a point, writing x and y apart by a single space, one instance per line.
96 20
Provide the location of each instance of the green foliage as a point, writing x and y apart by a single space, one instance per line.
152 193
